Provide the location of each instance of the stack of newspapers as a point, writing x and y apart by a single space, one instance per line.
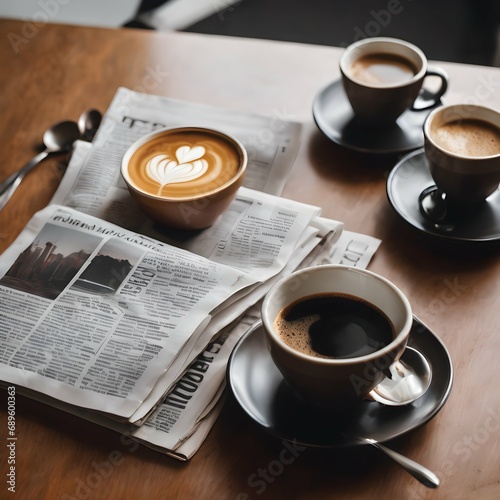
130 325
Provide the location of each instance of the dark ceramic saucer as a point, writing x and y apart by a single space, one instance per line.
405 185
268 400
334 117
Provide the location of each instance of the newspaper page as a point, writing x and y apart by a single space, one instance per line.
94 314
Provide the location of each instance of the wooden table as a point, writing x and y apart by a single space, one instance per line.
51 72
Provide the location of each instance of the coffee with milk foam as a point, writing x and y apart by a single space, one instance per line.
468 137
184 164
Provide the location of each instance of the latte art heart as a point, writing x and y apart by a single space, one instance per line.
184 163
189 166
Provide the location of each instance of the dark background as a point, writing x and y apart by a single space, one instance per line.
451 30
464 31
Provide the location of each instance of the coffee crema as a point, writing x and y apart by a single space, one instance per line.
468 137
183 164
382 69
334 325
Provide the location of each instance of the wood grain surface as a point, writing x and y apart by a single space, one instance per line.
51 73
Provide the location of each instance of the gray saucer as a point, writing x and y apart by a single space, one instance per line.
334 117
407 181
268 400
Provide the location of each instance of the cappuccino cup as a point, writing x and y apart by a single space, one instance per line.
462 148
382 78
332 331
184 177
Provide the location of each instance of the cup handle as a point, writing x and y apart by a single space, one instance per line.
434 97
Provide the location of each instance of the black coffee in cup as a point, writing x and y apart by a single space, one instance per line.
334 325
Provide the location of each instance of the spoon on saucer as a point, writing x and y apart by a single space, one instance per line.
406 380
57 139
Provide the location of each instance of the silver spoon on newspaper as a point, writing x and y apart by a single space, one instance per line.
57 139
88 123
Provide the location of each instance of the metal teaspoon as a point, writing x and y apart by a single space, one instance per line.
88 123
57 139
418 471
407 380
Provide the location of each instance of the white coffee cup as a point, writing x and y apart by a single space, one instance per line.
335 382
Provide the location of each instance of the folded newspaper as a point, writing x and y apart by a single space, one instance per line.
108 316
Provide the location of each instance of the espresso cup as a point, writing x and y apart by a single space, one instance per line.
184 177
462 148
333 330
382 78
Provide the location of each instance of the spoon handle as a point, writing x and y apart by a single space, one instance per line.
9 185
424 475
